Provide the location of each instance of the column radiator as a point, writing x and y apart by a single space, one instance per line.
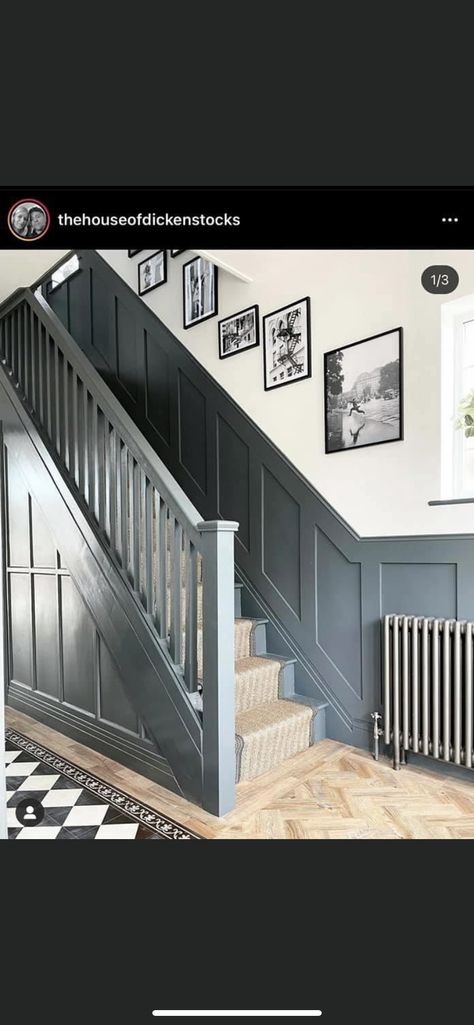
428 688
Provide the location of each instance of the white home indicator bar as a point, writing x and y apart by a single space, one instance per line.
237 1014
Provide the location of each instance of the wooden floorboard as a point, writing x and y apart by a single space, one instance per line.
330 791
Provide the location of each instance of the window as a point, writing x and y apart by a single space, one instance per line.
63 272
457 375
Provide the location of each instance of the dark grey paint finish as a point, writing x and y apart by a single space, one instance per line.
439 583
109 604
281 534
46 635
78 649
322 588
192 431
19 602
338 600
233 468
157 392
138 755
56 651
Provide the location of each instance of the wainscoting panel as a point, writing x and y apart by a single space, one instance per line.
192 431
78 637
408 587
18 516
323 601
281 541
19 594
157 387
102 323
113 705
46 634
78 299
233 481
339 610
60 669
127 354
42 545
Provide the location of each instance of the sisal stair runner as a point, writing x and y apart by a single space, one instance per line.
268 728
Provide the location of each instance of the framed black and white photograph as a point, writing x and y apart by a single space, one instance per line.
287 344
199 291
177 252
133 252
239 332
152 272
363 392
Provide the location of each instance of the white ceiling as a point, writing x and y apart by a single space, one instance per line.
20 268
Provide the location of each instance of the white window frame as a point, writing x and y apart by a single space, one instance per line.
63 272
454 315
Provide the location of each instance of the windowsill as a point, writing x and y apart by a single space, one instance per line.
452 501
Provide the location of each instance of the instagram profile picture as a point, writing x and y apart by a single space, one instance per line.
28 220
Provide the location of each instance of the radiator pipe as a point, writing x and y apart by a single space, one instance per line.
378 731
386 678
396 692
469 682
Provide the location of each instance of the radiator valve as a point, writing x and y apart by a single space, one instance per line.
376 716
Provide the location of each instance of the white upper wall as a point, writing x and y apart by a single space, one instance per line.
379 490
20 268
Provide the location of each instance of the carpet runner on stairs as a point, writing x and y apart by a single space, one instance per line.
269 728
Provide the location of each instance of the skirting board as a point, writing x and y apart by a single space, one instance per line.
134 754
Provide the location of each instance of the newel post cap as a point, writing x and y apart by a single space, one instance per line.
217 526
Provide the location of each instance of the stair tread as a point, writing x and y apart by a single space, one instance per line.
315 702
273 713
250 663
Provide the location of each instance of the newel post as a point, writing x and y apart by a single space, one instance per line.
217 547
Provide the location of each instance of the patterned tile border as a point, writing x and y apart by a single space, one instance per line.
161 824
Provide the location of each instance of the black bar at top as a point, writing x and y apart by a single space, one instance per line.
273 218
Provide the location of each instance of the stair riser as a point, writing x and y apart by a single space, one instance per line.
262 751
256 683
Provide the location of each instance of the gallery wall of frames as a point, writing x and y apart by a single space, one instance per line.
363 380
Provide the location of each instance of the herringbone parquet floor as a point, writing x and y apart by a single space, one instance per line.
330 791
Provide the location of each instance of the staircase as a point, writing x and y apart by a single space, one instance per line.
272 723
157 581
269 728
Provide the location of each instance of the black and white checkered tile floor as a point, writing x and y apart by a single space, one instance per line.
77 805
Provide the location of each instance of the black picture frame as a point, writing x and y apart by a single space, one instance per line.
176 252
157 284
291 377
215 278
226 320
134 252
330 429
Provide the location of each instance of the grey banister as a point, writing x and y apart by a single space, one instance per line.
13 300
217 547
142 451
175 568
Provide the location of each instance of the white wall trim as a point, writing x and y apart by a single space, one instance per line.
207 254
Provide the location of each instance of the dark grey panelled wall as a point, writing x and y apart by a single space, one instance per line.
323 589
60 669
